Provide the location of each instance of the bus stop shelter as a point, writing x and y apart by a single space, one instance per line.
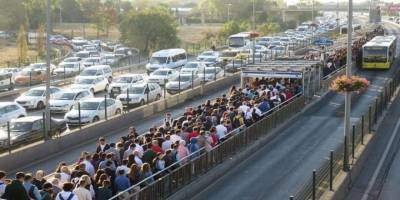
305 71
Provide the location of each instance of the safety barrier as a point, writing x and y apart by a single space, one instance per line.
321 179
192 169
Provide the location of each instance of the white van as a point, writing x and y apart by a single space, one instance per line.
97 70
168 58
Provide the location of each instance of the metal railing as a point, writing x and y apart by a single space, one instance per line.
178 178
321 179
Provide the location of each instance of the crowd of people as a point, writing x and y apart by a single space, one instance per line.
138 160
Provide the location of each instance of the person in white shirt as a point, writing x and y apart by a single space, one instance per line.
139 148
81 192
221 131
88 165
2 183
124 167
138 161
167 143
243 107
65 175
67 194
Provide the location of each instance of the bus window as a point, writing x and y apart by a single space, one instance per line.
375 54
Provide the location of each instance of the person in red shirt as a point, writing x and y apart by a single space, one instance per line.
194 133
155 147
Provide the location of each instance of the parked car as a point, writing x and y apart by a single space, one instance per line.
138 94
28 129
10 110
68 69
207 54
93 110
92 83
6 81
161 76
64 102
108 59
121 83
91 61
36 97
192 67
29 76
183 82
104 71
211 73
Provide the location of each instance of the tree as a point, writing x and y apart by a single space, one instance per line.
269 28
71 10
232 27
12 14
22 44
40 40
149 29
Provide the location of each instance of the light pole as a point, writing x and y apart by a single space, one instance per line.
47 109
347 107
337 15
229 11
60 16
254 30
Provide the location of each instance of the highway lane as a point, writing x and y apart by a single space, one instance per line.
50 163
279 168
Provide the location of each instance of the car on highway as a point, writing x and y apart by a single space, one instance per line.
265 41
41 67
163 75
65 101
227 55
6 81
108 59
167 58
35 98
91 61
211 73
73 59
92 83
207 54
82 54
122 52
68 69
138 94
29 76
93 110
10 110
121 83
104 71
27 129
183 82
192 67
210 61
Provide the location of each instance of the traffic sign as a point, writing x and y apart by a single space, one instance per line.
323 42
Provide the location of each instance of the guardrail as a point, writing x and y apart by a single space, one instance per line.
193 168
321 179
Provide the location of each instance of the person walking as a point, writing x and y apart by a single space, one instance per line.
15 190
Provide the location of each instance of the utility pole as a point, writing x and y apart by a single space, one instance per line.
337 15
229 11
47 109
347 109
60 16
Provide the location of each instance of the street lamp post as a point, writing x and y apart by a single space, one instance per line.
254 30
229 11
47 110
347 109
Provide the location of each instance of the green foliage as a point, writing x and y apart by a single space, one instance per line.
232 27
150 29
71 10
269 28
22 44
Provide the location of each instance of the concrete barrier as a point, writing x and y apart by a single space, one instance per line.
42 150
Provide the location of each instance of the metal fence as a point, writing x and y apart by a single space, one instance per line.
201 162
321 179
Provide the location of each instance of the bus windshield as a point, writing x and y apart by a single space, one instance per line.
375 54
236 42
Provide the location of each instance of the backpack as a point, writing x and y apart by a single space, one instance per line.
236 122
69 197
30 192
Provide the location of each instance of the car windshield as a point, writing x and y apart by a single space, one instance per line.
210 53
136 90
158 60
87 105
120 51
66 96
36 66
123 80
20 126
109 57
71 60
84 81
90 72
35 93
89 60
160 73
67 65
236 42
191 65
83 55
210 71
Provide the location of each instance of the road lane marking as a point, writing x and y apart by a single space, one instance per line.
381 161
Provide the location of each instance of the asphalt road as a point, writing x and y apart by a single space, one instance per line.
278 169
50 163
